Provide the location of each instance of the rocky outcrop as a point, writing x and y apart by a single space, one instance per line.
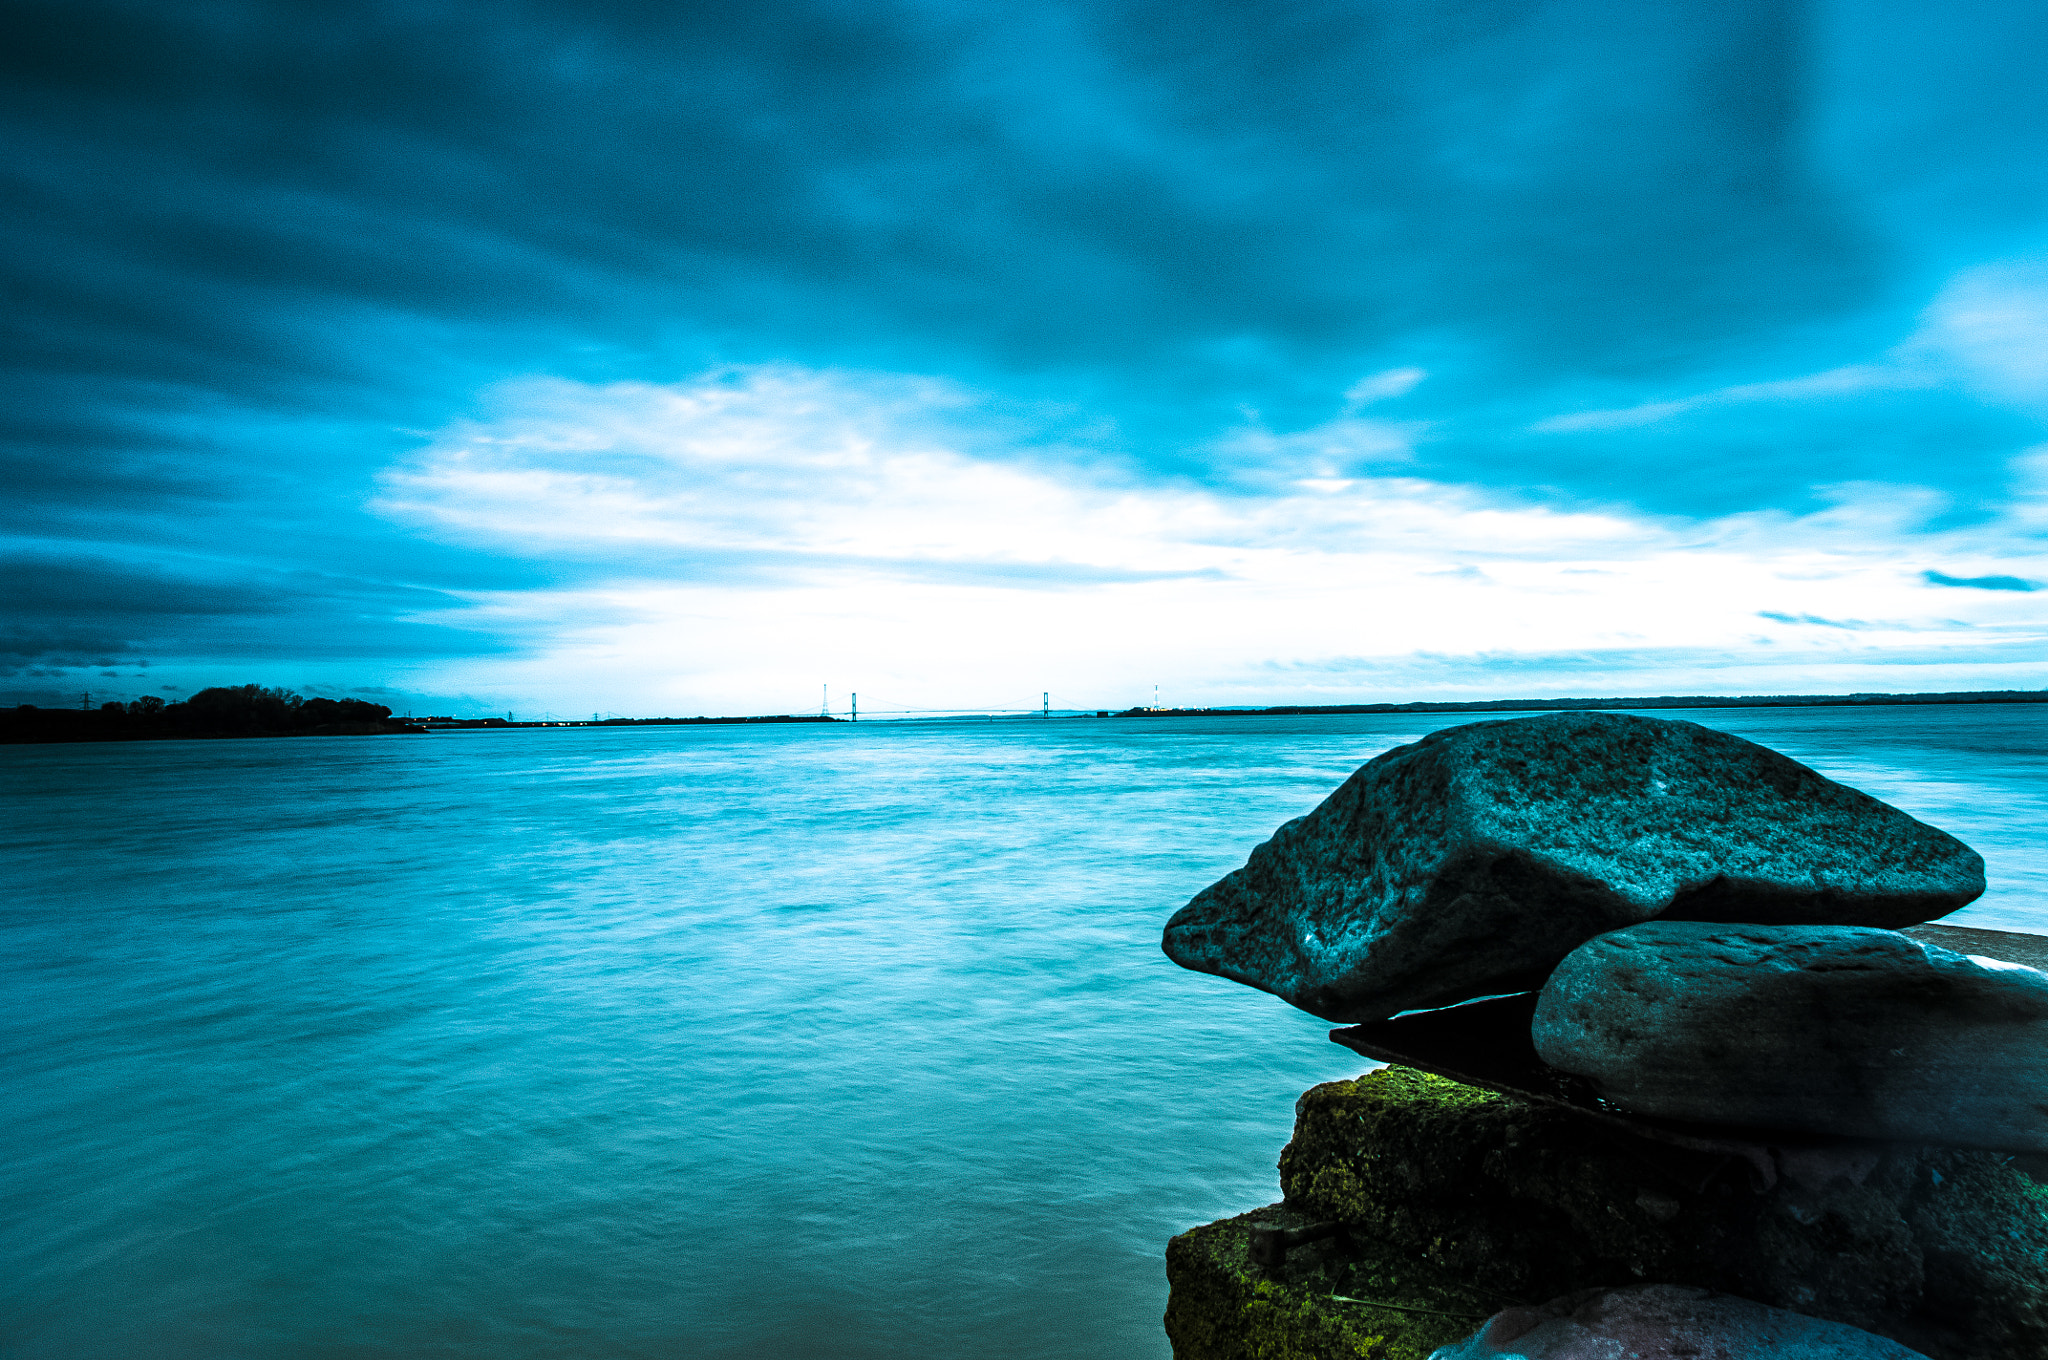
1456 1203
1855 1032
1666 1322
1744 1116
1471 862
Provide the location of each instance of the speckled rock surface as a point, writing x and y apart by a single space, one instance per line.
1858 1032
1474 860
1452 1188
1666 1322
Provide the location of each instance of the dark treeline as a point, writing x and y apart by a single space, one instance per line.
227 711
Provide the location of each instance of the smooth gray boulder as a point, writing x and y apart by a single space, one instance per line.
1830 1030
1666 1322
1469 863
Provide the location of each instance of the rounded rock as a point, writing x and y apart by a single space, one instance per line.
1842 1031
1666 1322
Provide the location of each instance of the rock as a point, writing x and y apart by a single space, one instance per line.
1469 863
1835 1030
1666 1322
1460 1199
1322 1303
2008 945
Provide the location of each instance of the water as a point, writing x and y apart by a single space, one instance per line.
707 1042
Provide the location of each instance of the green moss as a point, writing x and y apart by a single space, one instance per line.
1461 1178
1224 1307
1466 1201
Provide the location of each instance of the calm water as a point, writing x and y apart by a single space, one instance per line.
702 1042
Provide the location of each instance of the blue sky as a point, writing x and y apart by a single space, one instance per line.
673 359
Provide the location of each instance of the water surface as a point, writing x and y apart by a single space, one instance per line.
773 1042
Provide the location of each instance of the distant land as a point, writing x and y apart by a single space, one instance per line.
1967 696
253 711
222 711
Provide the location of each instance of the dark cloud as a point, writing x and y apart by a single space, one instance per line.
1170 201
46 587
250 246
1724 458
68 612
1936 578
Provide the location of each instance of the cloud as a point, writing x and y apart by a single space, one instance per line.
358 216
1814 620
829 470
1179 283
838 525
1336 448
1382 386
1949 404
1935 578
1990 326
1833 383
1987 329
68 611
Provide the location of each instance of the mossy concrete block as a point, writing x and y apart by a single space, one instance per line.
1515 1203
1224 1306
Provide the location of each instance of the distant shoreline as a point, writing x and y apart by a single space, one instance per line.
1985 696
27 724
1988 696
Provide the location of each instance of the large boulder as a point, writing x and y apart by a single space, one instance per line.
1471 862
1833 1030
1666 1322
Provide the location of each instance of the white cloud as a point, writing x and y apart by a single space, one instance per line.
1832 383
768 528
1382 386
1990 325
1335 448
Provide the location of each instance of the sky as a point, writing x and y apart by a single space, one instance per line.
673 359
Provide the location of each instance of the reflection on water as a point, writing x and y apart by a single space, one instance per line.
849 1041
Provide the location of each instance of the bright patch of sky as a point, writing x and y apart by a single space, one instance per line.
654 359
764 522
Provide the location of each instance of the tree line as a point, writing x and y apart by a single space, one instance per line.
222 711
